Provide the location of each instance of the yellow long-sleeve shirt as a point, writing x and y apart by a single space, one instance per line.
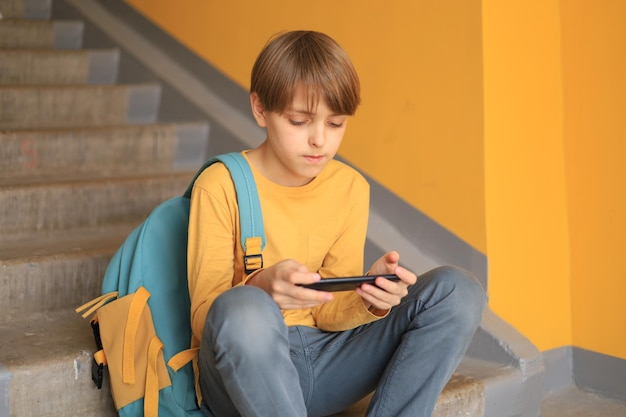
321 225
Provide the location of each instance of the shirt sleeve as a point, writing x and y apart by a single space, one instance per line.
212 242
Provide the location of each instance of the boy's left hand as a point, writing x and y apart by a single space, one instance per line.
386 294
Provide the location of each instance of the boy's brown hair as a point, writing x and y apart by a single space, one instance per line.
307 58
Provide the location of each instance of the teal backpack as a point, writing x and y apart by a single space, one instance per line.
142 323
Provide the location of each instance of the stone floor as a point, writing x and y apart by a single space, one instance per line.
462 396
573 402
569 402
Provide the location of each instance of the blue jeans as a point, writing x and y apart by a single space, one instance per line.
252 364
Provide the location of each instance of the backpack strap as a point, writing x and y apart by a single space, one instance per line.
250 215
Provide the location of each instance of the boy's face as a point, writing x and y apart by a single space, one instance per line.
299 143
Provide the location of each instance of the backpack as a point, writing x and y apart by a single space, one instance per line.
142 323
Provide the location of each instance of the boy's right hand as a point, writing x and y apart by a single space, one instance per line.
281 281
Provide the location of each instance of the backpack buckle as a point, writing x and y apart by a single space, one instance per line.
96 373
253 262
95 326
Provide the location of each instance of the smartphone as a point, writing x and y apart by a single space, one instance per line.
346 283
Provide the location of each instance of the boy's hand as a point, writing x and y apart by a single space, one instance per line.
281 281
386 294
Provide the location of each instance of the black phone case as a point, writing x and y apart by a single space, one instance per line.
346 283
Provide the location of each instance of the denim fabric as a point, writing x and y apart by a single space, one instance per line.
251 364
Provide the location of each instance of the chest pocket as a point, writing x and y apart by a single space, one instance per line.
317 249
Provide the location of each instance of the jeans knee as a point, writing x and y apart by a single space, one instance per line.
239 301
243 316
466 295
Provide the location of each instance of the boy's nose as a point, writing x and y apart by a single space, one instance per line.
317 137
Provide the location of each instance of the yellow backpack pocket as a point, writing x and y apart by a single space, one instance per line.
130 349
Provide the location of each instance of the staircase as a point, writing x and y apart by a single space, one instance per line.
83 159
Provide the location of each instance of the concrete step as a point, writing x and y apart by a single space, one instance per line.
575 402
54 67
45 368
58 204
66 34
65 106
107 150
51 271
464 395
26 9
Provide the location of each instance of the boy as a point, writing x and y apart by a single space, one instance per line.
269 347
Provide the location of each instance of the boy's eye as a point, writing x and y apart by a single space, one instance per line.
336 123
297 122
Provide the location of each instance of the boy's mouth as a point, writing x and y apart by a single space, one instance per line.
313 158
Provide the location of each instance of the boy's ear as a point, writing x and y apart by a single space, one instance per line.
258 110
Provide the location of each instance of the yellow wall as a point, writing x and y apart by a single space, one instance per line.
527 234
555 130
503 121
594 68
